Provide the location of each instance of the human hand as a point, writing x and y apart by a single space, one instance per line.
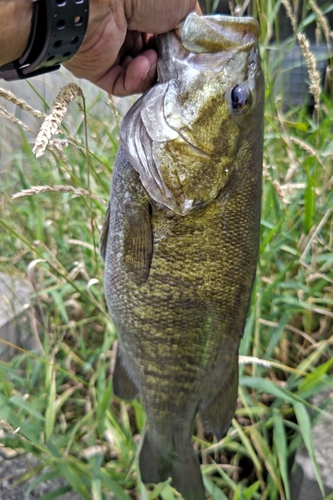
116 54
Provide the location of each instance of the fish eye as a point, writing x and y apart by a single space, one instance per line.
240 98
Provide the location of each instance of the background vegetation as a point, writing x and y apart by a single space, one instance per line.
59 398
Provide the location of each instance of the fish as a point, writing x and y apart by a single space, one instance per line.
180 238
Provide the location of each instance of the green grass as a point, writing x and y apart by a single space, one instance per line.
61 397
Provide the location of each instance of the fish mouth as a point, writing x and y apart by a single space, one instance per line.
200 35
217 33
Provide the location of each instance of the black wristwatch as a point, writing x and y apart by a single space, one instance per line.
57 31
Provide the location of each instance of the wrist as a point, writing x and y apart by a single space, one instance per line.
106 33
15 21
57 29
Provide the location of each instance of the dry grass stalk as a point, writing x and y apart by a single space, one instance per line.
9 96
322 22
57 150
297 6
284 190
305 146
290 13
318 33
232 8
309 149
314 236
315 88
9 116
288 327
290 172
292 187
53 121
279 191
55 189
249 360
293 160
5 425
112 104
239 11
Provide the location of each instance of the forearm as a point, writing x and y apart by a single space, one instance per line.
15 22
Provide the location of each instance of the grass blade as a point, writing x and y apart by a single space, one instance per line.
247 443
267 457
213 490
304 423
56 493
280 443
158 489
113 486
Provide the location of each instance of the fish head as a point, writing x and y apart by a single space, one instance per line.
184 135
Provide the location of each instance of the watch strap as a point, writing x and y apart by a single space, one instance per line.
57 32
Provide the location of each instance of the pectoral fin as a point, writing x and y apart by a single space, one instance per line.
138 242
216 414
123 386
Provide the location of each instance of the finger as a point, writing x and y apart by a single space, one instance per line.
126 62
132 77
158 16
134 44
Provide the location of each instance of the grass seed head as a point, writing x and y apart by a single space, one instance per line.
290 13
315 87
53 121
9 96
33 190
322 23
9 116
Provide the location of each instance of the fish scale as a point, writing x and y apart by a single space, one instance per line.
180 239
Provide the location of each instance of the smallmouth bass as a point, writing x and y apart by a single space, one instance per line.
180 238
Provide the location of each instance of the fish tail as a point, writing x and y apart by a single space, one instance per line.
158 465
